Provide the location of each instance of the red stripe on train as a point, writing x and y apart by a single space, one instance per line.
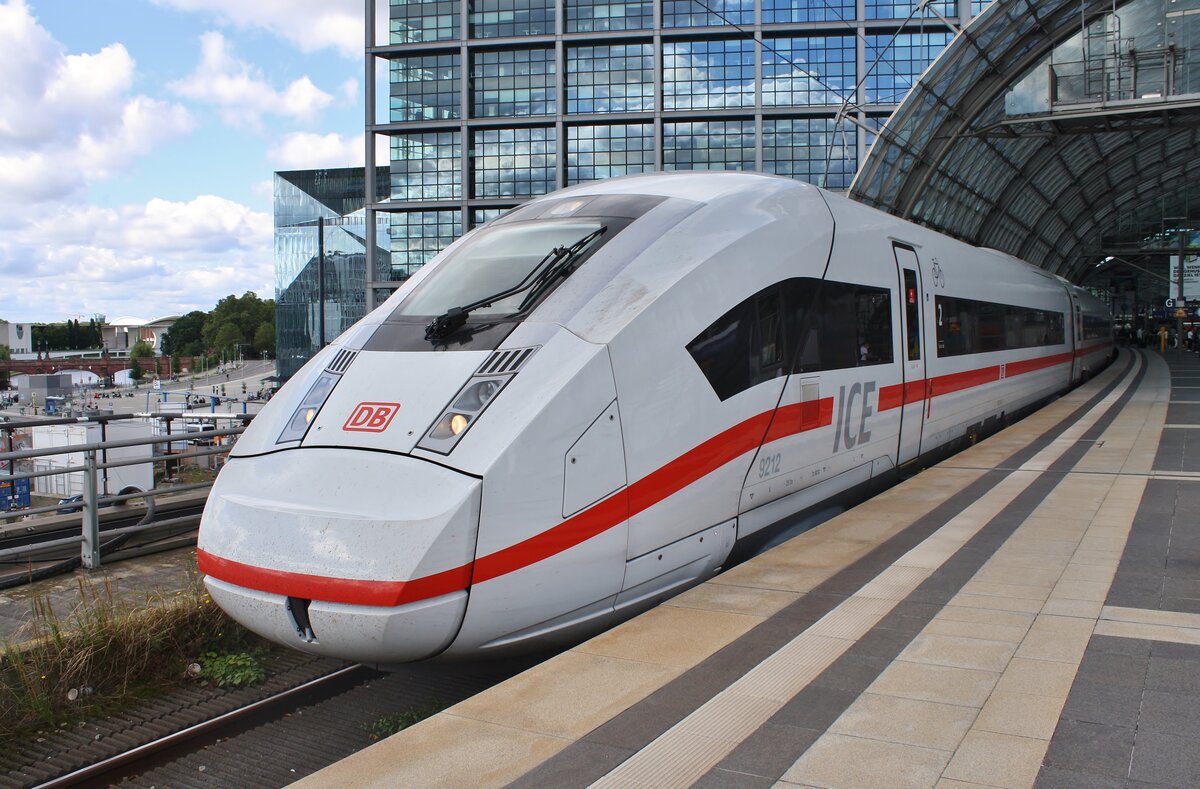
916 391
641 495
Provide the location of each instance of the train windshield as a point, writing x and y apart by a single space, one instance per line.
496 260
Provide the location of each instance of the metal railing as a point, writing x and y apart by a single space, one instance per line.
95 461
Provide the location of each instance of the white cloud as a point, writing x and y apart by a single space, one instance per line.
306 151
264 190
239 90
175 256
311 24
66 119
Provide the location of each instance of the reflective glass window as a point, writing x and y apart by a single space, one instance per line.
595 152
616 78
511 83
708 74
969 326
904 57
336 197
498 259
781 11
809 70
419 235
514 162
898 9
481 216
688 13
586 16
811 149
425 88
977 6
709 145
413 21
798 325
427 166
503 18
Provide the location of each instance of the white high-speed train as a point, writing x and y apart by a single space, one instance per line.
586 405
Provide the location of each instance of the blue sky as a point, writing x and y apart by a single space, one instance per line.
138 139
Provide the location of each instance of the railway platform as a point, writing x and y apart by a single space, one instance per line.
1026 613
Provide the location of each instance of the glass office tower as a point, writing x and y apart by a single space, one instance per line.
318 296
491 102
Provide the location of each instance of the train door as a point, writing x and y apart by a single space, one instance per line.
912 354
1076 338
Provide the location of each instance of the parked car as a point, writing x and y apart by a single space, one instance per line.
75 502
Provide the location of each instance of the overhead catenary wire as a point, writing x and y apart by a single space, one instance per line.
843 112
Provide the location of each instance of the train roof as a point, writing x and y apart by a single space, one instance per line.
701 186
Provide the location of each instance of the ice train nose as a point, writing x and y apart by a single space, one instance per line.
359 555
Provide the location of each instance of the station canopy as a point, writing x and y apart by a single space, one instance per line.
1060 131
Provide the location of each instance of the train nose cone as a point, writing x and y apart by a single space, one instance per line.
358 555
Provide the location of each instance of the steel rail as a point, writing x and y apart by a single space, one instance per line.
75 539
274 706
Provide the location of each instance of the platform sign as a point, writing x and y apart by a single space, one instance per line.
1191 277
14 494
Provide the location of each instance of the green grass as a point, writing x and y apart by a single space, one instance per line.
109 652
387 725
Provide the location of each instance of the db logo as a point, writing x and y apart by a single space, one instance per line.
371 417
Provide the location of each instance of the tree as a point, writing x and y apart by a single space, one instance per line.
186 337
246 313
264 338
226 338
5 355
176 367
140 350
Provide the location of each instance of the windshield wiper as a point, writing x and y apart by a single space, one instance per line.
549 268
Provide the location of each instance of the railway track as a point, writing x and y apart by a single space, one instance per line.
173 525
269 740
159 752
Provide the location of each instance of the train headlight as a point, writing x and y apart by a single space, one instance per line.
309 407
476 396
463 411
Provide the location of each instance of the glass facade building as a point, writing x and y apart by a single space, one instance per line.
491 102
313 206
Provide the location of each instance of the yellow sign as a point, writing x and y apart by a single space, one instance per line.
1180 313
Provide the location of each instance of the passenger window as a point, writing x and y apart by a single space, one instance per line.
801 324
874 318
912 314
745 346
967 326
849 326
770 331
722 351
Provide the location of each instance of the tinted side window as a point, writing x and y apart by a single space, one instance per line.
745 346
873 307
801 325
1095 327
969 326
849 326
722 351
